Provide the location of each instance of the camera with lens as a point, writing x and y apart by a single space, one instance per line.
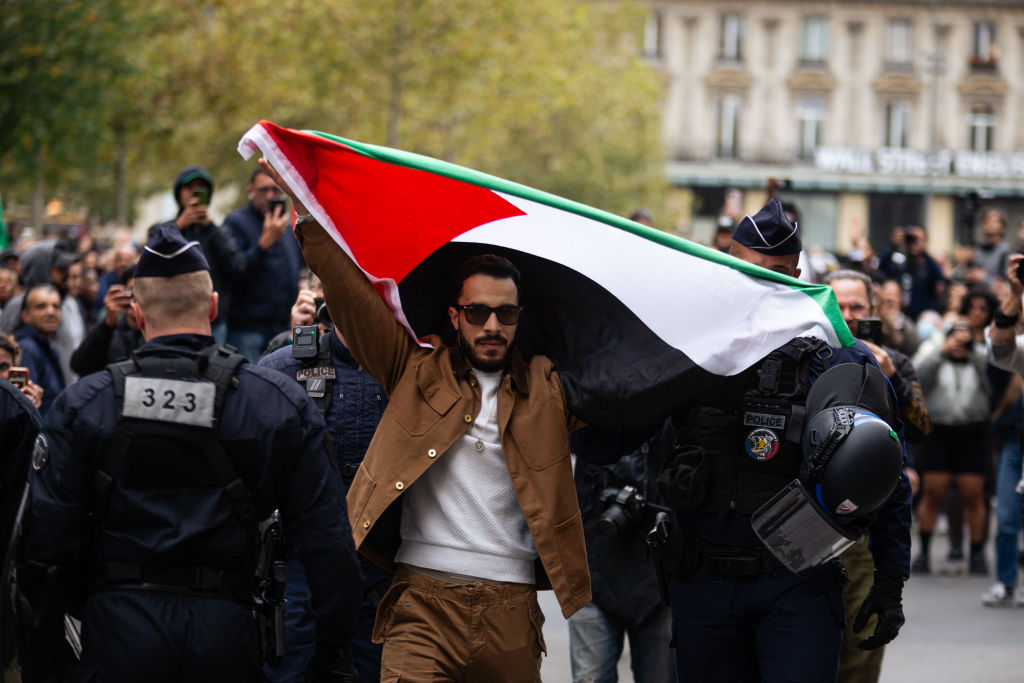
323 316
622 507
870 329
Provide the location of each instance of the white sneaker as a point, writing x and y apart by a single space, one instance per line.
1020 597
999 596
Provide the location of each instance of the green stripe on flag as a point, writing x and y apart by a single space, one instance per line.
821 294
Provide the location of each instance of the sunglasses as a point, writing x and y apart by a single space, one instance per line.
478 314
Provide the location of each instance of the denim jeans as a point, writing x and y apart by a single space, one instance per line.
596 641
1008 503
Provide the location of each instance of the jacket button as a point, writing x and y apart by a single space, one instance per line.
468 418
432 453
399 485
366 524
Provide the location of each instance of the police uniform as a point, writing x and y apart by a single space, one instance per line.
352 403
738 614
19 427
160 470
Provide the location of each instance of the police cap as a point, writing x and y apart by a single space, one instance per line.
768 231
169 254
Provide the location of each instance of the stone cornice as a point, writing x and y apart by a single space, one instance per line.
808 79
729 78
898 84
982 85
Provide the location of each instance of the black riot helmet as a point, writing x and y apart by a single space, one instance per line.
852 460
852 455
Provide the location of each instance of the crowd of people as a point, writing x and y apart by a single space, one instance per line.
457 558
935 310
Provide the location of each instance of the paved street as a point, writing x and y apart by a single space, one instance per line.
949 637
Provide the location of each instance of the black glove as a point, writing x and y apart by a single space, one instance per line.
886 600
331 664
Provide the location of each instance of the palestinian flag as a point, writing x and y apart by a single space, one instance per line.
634 319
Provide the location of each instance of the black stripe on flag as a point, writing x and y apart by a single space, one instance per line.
614 370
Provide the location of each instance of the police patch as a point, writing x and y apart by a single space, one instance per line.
764 420
169 400
40 453
762 444
318 372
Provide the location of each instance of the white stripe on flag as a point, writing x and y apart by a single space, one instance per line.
710 312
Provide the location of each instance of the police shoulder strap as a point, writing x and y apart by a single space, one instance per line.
222 365
115 454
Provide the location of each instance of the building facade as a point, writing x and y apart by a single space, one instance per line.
868 114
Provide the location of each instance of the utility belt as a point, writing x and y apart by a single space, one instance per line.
676 551
733 562
206 582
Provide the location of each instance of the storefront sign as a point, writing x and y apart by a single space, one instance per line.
894 161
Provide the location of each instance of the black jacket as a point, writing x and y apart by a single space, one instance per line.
104 345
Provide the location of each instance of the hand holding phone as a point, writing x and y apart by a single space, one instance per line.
278 206
18 377
202 194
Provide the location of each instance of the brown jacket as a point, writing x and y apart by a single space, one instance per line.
433 398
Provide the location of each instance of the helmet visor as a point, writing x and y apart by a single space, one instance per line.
797 531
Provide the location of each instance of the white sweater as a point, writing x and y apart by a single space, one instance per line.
462 516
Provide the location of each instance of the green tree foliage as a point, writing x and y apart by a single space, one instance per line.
58 59
549 93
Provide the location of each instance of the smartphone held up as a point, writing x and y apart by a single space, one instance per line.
18 377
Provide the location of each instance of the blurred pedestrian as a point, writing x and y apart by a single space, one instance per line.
263 292
193 192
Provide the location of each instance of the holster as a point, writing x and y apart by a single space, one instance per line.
673 551
270 615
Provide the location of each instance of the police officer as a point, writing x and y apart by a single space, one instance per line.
352 403
738 613
160 470
19 427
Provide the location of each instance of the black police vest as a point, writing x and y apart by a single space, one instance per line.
169 408
750 432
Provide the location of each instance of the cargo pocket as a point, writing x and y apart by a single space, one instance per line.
537 620
386 611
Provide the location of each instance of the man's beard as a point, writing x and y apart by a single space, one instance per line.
479 362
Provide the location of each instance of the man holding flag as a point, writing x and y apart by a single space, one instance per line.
466 490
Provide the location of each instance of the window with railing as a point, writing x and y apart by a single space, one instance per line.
731 43
653 36
981 128
810 118
985 53
897 124
728 127
899 43
814 40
